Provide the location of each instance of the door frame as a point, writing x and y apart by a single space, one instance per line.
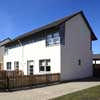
28 61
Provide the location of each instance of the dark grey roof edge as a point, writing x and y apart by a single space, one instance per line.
5 39
53 24
92 32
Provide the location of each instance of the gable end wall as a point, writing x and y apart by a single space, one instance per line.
77 47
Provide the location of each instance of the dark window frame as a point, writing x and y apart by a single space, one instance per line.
29 68
61 30
45 66
52 38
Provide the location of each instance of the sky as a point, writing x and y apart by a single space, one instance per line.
20 16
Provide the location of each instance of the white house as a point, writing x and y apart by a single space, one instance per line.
2 51
64 46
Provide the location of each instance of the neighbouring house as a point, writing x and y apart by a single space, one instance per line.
64 46
2 51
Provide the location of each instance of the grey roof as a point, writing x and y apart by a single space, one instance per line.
53 24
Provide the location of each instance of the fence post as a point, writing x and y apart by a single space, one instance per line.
7 83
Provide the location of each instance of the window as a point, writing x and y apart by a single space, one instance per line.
53 38
44 65
47 68
16 65
49 39
41 68
56 38
8 66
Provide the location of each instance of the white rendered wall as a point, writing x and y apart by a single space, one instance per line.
77 46
34 51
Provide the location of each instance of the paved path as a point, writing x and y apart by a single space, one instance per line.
48 92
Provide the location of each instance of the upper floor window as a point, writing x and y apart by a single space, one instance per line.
53 38
56 38
8 66
49 39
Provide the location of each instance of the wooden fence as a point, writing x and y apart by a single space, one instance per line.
13 79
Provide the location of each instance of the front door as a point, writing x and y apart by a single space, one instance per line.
30 67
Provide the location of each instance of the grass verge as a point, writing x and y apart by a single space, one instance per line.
87 94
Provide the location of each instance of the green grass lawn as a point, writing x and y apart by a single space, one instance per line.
87 94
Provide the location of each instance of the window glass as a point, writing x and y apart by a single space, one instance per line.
41 68
48 68
44 65
53 38
42 62
56 34
49 41
8 66
56 40
48 62
31 69
49 36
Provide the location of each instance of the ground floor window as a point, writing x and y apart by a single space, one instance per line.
16 65
44 65
8 66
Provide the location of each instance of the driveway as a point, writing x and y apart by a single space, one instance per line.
48 92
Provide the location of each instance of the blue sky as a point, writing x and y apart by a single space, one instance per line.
20 16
